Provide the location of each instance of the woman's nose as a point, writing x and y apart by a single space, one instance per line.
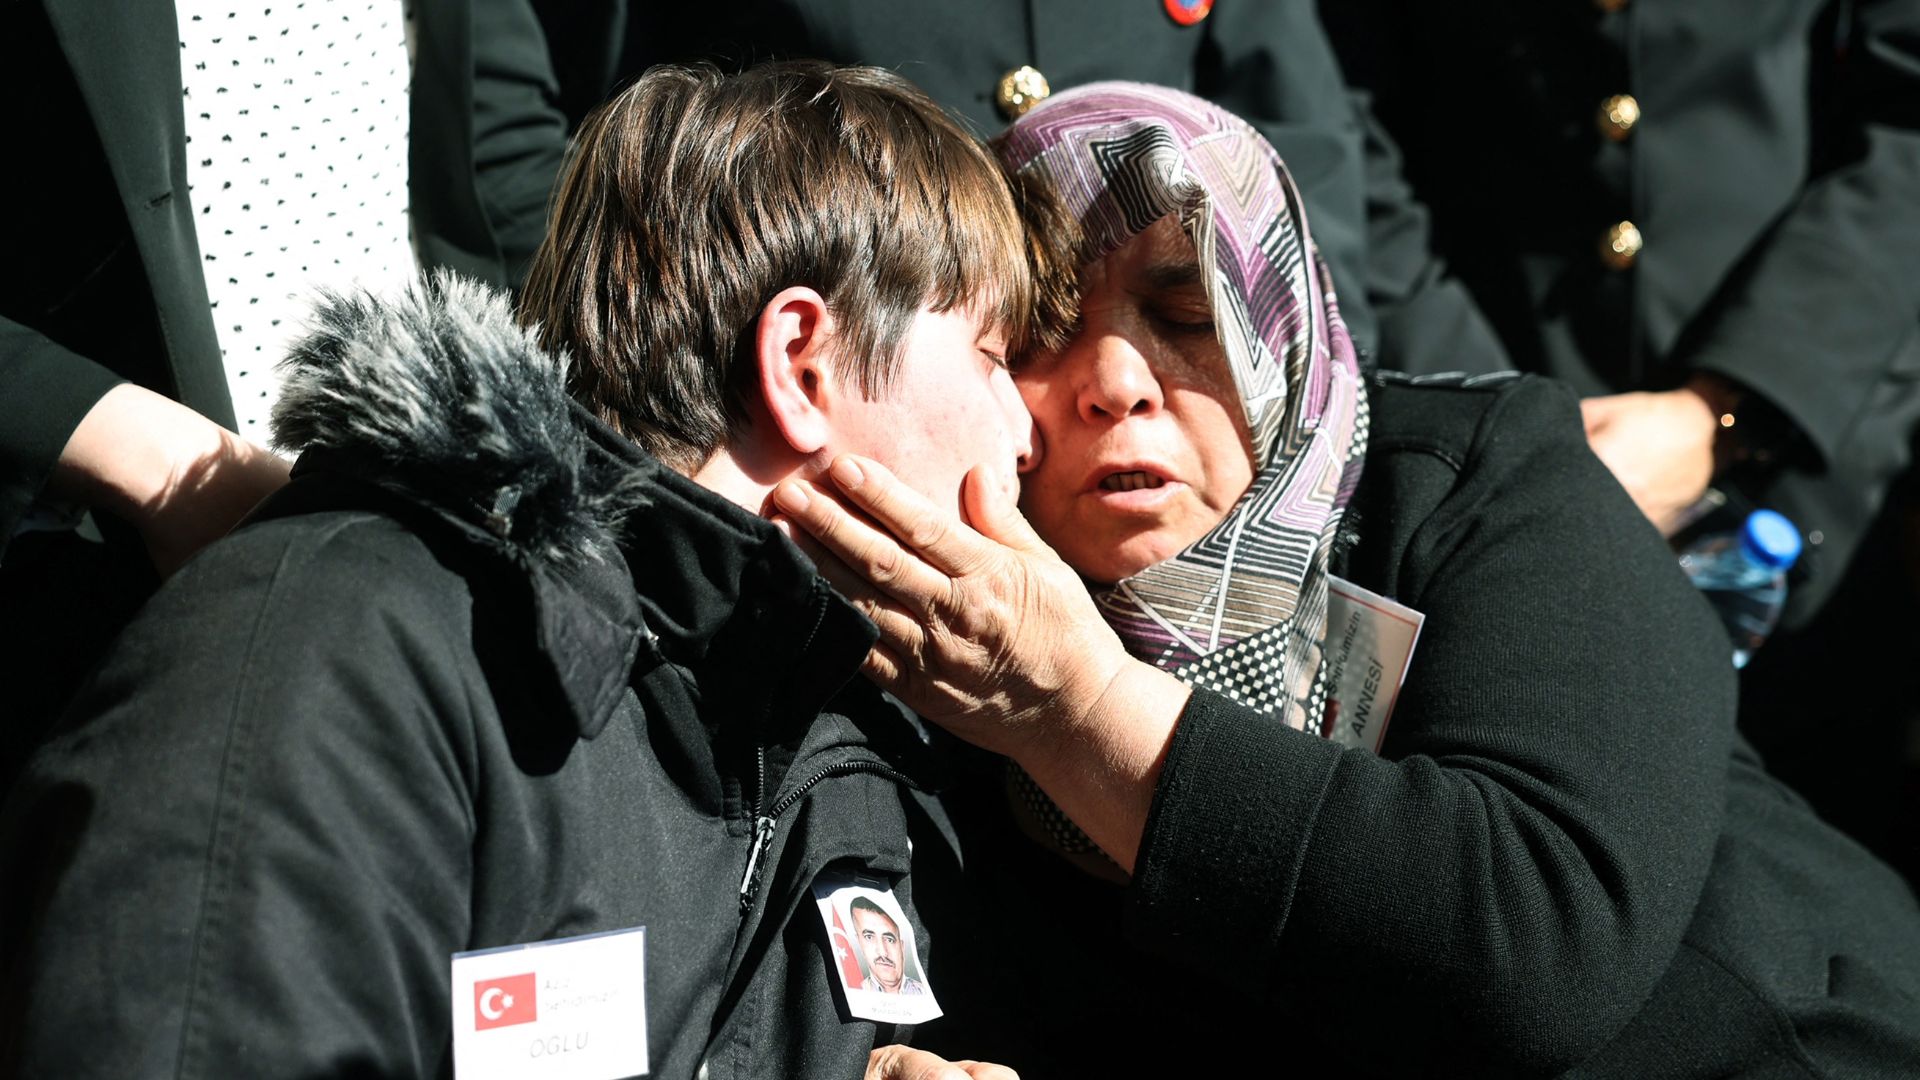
1117 381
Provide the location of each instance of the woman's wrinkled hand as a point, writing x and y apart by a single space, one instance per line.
986 632
983 629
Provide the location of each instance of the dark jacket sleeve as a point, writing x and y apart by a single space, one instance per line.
1508 883
1824 303
250 837
48 390
488 137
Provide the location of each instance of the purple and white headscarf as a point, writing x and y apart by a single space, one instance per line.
1243 611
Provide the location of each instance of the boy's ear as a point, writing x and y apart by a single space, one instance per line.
791 343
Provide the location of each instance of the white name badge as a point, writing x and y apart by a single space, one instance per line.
568 1009
1370 642
875 962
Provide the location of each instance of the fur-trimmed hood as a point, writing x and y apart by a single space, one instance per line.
439 400
439 392
589 561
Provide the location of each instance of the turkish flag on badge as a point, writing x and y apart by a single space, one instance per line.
843 952
504 1002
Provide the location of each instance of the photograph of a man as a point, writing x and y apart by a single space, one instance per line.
880 942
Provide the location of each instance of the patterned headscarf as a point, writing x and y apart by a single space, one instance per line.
1243 611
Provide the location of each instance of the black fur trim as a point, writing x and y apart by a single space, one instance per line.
440 392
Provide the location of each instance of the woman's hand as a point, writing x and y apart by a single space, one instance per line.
988 634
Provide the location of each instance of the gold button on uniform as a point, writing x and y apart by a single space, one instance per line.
1019 90
1621 245
1618 114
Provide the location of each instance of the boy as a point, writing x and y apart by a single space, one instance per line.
489 675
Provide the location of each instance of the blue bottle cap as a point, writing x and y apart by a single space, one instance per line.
1770 540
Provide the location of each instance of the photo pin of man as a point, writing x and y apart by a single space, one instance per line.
879 938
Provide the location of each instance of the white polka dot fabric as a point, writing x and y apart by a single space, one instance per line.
296 166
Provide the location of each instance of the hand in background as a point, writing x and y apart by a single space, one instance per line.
1660 446
905 1063
179 478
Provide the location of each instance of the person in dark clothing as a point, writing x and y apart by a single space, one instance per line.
1704 217
487 674
1561 861
1753 166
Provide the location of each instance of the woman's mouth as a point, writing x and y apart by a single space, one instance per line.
1130 481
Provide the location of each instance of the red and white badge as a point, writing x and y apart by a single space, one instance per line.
568 1009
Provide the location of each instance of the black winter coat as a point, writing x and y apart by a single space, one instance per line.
1562 862
482 675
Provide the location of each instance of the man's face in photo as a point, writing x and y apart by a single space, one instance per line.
880 941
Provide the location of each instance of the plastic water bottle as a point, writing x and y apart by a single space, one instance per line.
1744 574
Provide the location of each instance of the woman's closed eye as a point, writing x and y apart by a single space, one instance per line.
1179 318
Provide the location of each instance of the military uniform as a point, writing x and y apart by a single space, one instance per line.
1637 190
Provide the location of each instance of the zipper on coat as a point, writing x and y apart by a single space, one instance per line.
763 824
750 881
762 831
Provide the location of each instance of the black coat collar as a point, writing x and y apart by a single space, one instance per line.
687 578
720 590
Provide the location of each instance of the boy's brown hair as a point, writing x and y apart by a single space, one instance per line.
692 198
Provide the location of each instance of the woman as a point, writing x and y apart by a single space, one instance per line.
1561 858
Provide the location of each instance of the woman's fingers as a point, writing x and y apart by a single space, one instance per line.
992 504
898 633
868 552
883 666
941 539
898 628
